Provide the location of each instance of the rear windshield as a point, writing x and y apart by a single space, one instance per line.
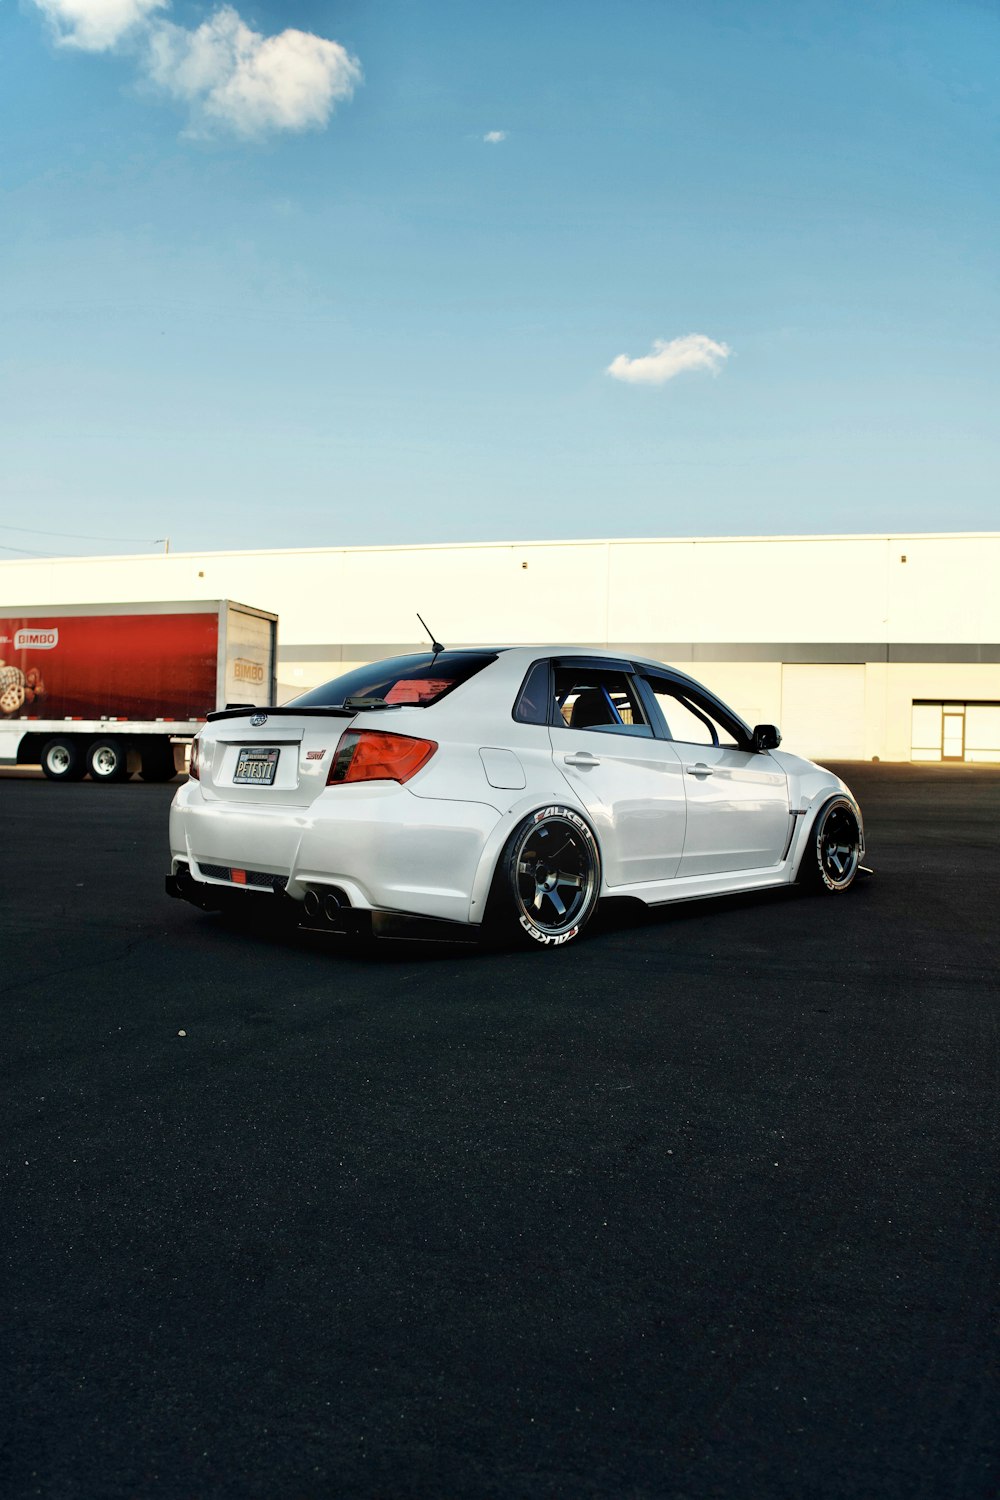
400 679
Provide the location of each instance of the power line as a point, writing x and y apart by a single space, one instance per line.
82 536
56 556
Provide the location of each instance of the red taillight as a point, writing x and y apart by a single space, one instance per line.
371 755
194 765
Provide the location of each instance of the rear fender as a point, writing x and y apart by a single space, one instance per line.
493 847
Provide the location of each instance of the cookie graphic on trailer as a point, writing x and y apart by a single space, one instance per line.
11 689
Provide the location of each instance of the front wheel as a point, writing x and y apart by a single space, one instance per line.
548 879
833 853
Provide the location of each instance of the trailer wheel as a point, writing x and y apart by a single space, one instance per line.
158 762
62 760
107 760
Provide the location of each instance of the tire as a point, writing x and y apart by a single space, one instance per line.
547 880
833 854
107 760
158 762
62 760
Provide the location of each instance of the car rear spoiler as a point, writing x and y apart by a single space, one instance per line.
246 711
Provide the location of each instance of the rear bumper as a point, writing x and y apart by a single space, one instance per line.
385 849
314 915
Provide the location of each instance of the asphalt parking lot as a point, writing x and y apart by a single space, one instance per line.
702 1207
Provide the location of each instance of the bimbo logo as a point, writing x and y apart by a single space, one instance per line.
248 671
35 640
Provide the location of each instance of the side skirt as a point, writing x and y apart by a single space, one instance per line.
701 887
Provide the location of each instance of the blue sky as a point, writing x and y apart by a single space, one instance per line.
261 290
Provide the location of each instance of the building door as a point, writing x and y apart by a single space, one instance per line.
956 731
823 710
953 732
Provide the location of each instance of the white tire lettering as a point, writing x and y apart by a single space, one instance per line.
545 938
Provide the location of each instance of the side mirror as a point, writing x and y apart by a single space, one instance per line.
766 737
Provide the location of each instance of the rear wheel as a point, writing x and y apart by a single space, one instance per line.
547 880
107 760
62 760
833 853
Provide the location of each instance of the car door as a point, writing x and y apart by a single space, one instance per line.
737 798
630 782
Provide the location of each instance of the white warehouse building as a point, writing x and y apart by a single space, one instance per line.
858 647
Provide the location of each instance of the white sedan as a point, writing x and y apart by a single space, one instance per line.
505 790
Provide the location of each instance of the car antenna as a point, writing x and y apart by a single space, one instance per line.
436 646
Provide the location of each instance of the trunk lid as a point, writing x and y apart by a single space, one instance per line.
282 762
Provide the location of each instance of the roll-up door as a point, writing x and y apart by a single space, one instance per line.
823 710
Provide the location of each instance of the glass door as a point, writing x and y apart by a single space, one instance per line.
953 736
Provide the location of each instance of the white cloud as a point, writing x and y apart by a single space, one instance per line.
229 76
694 351
494 137
232 76
96 25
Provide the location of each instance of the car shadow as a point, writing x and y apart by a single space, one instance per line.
614 916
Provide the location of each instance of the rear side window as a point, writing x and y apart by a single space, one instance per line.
534 701
420 680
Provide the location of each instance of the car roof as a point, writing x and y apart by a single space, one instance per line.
591 653
556 649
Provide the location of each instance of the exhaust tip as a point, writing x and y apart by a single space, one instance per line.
325 907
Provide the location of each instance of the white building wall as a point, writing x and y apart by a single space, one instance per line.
757 589
837 635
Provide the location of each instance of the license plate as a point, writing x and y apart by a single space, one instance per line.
255 766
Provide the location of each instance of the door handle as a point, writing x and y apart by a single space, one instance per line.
700 770
581 758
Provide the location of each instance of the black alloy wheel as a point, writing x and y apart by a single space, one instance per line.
551 871
833 855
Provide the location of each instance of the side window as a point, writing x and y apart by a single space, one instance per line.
534 705
591 699
687 720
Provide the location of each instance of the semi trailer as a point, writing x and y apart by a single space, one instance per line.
108 690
